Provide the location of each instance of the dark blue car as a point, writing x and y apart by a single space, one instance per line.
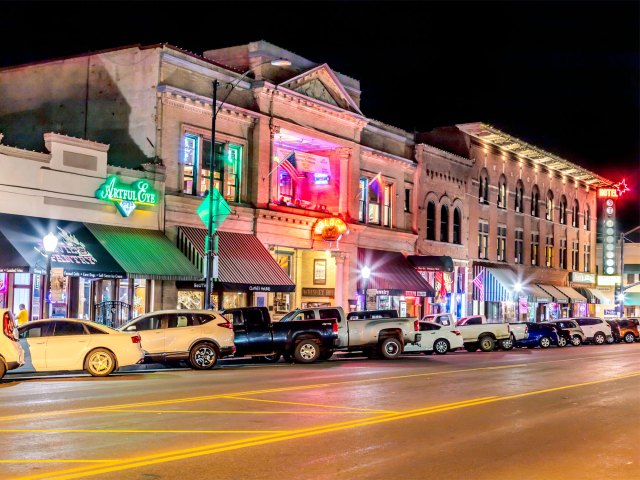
541 335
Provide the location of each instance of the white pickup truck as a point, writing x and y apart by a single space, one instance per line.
476 331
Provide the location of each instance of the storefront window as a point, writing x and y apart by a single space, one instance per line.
21 291
190 300
123 291
139 297
84 300
234 300
3 290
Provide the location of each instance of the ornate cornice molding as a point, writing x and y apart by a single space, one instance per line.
369 153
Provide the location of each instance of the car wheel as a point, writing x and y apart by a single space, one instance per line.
629 337
441 346
391 348
203 356
545 342
576 341
599 338
471 347
275 358
306 351
562 342
487 344
100 362
326 355
3 369
508 343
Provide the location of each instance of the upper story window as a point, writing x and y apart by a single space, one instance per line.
444 223
563 253
587 218
457 226
575 214
587 258
563 210
535 198
483 239
535 246
376 201
196 162
502 243
519 245
575 255
387 212
431 220
502 192
362 209
407 200
519 200
549 251
483 192
549 205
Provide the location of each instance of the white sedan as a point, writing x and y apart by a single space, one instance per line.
66 344
436 338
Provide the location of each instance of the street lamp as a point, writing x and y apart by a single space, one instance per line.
212 233
366 273
620 299
50 242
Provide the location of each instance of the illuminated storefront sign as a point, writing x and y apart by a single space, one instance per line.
614 192
586 278
330 229
127 197
609 280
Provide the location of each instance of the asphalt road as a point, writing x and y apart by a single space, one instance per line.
571 413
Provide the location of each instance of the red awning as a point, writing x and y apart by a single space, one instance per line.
391 274
244 264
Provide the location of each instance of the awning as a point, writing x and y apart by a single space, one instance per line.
536 294
573 295
431 263
498 285
145 253
632 268
632 299
594 295
244 264
391 274
557 295
78 253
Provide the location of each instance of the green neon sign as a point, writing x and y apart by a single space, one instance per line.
127 197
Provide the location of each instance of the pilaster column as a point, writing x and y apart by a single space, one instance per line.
344 156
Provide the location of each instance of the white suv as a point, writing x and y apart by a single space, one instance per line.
596 330
199 337
11 352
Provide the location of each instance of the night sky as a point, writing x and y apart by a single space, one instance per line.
563 76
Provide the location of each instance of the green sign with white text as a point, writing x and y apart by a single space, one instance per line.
127 197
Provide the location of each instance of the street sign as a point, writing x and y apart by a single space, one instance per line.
221 210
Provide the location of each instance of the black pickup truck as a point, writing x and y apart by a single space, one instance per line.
256 335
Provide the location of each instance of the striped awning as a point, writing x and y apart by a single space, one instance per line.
536 294
391 273
557 295
573 295
498 285
244 264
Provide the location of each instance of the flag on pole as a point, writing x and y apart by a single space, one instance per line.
289 166
479 283
376 183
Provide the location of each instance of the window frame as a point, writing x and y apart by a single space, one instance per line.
483 239
501 243
519 246
444 223
431 232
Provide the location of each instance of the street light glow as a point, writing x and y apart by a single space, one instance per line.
280 62
365 272
50 242
517 287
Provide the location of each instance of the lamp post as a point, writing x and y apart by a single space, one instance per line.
620 299
50 243
366 273
212 235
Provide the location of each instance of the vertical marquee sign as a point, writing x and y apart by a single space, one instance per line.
609 195
127 197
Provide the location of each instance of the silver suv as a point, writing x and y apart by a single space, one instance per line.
576 332
596 330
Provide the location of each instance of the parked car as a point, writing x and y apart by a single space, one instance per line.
11 352
256 335
368 314
624 330
519 331
378 336
436 338
476 331
541 335
576 334
68 344
198 337
596 330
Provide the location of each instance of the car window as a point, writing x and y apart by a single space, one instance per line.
443 320
152 322
63 329
35 331
474 321
253 318
95 330
426 326
329 313
178 320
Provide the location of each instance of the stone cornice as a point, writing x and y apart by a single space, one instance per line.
26 154
73 141
466 162
204 69
395 136
377 155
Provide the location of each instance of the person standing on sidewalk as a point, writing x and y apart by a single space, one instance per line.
23 315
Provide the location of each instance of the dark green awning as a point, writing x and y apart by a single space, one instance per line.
145 253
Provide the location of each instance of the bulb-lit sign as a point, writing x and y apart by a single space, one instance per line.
127 197
330 229
616 191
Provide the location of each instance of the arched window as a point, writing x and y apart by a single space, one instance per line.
587 218
549 212
575 214
563 210
457 226
502 192
431 221
535 198
483 192
519 204
444 223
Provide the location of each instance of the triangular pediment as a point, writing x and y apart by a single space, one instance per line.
321 83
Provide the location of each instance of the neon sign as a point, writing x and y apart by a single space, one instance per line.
615 191
330 229
127 197
621 187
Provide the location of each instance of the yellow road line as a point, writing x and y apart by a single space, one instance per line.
127 464
250 412
107 430
57 461
363 410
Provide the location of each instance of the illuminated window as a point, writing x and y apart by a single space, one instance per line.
549 205
362 209
444 223
407 200
483 239
587 258
386 210
575 255
587 218
563 210
575 214
457 224
563 253
483 192
519 246
519 202
285 186
535 198
548 254
374 204
502 192
196 161
535 246
431 221
502 243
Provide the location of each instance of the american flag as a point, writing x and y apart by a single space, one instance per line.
289 165
478 282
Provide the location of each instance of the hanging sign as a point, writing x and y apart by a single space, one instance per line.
127 197
330 229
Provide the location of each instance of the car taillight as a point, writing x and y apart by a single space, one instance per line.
7 326
456 332
334 327
136 338
526 329
416 326
226 324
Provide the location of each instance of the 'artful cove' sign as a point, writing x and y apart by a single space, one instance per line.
126 197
